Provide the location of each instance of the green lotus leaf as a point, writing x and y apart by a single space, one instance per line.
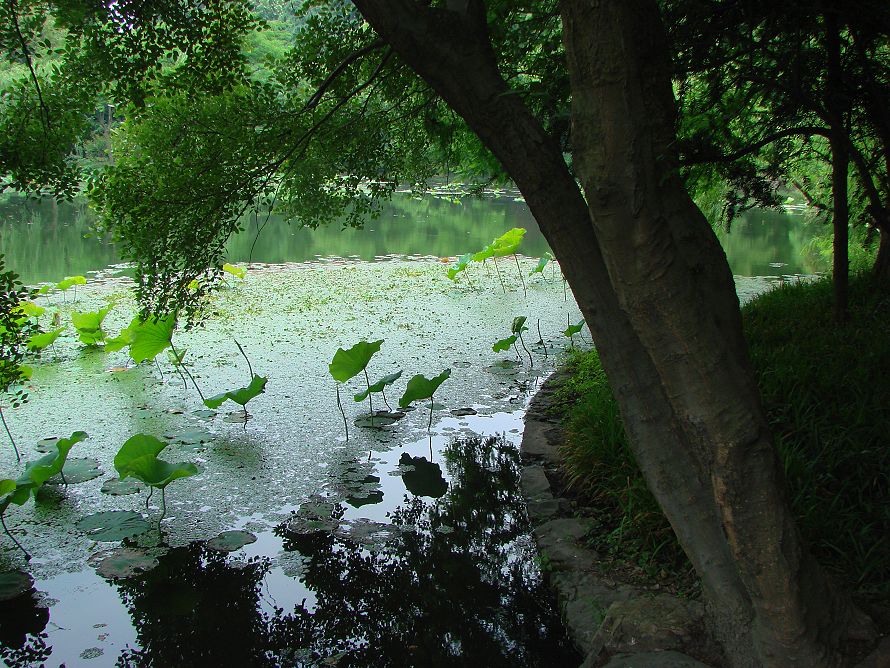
379 386
118 487
68 281
504 344
348 363
237 272
508 243
113 525
122 340
151 337
240 396
461 265
25 371
421 387
46 467
77 470
44 289
13 584
44 339
7 486
175 358
229 541
539 268
519 324
31 309
18 494
125 562
484 254
573 329
137 446
89 325
157 472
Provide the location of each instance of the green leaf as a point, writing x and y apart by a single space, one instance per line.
573 329
44 339
348 363
237 272
504 344
461 265
68 281
31 309
519 324
157 472
484 254
113 525
421 387
508 243
240 396
25 371
7 486
135 447
89 325
151 337
46 467
379 386
539 268
176 358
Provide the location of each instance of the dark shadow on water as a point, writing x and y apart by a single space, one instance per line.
452 582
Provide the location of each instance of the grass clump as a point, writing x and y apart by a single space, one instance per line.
825 389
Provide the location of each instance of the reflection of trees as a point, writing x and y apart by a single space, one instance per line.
22 640
460 589
457 587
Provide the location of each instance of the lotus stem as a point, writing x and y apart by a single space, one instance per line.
370 404
163 508
565 289
500 278
531 364
521 277
342 412
188 373
388 407
151 491
243 354
18 457
158 365
430 423
12 538
541 337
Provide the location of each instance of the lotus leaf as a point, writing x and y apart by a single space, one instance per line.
519 324
46 467
379 386
237 272
89 325
421 387
68 281
229 541
508 243
113 525
539 268
44 339
504 344
351 362
240 396
462 263
157 472
31 309
573 329
151 337
13 584
118 487
125 562
77 470
140 445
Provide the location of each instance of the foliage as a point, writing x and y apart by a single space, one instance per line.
16 329
89 325
241 395
349 363
379 386
823 389
420 387
237 272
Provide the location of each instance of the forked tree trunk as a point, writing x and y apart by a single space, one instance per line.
656 291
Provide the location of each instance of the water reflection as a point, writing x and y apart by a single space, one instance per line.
450 582
22 637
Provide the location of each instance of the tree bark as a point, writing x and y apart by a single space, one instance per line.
656 291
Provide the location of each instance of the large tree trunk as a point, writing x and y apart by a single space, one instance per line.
655 289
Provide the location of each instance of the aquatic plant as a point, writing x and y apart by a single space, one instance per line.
138 458
420 387
462 263
518 327
542 262
71 281
237 272
571 330
347 364
44 339
36 474
89 325
241 395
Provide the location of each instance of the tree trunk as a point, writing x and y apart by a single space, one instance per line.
656 291
881 267
840 167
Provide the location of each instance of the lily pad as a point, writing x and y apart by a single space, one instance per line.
461 412
229 541
113 525
368 532
117 487
125 562
192 437
205 413
13 584
77 470
46 445
381 419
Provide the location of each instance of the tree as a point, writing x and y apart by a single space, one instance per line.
336 128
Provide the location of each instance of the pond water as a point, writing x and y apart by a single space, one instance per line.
405 544
45 241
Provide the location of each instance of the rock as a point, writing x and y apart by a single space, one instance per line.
559 540
644 624
539 441
534 483
668 659
544 510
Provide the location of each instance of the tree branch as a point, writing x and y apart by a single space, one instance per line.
337 71
801 130
26 52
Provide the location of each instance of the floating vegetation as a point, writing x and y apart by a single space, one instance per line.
113 525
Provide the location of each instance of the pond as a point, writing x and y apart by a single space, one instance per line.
405 544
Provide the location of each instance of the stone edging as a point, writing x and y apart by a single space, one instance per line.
613 624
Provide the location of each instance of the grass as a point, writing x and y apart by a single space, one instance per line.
826 390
